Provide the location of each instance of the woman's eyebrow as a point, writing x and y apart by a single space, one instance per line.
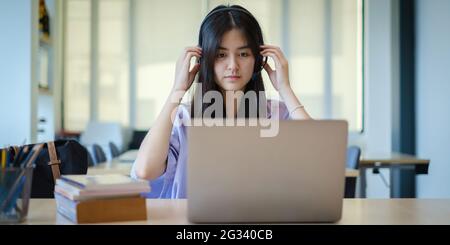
243 47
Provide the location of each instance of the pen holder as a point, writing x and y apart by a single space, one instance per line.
15 189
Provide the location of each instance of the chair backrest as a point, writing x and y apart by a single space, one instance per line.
353 155
99 154
114 150
101 133
137 138
91 161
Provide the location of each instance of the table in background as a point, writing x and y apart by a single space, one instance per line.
403 170
128 156
120 165
123 164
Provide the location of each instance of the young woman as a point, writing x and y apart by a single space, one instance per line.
231 54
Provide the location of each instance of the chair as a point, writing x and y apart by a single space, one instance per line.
99 154
114 150
136 140
353 155
91 161
102 133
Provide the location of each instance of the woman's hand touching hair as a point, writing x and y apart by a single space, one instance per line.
280 76
280 81
184 74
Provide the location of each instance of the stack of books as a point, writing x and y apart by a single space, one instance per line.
101 198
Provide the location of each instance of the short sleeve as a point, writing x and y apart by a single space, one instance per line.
167 185
277 109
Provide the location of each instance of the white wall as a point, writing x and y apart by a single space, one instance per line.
50 102
381 74
433 95
378 79
18 38
45 111
57 39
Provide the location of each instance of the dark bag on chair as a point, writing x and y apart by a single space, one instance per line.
57 158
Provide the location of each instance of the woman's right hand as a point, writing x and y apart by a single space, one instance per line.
184 76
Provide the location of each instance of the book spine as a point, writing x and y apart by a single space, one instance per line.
66 207
68 186
71 182
69 214
78 189
64 192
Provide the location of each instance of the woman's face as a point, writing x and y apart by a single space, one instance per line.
234 63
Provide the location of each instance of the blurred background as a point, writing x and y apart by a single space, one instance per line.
127 50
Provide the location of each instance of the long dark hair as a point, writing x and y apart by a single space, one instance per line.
219 21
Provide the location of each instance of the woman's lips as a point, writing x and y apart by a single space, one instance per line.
233 78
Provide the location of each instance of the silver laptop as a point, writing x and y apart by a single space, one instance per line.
237 176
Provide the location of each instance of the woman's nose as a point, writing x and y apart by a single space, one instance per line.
232 63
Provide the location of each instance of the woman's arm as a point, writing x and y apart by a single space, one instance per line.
295 108
152 155
280 81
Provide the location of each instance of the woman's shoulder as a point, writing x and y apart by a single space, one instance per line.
183 109
182 114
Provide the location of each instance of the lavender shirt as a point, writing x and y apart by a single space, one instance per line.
172 184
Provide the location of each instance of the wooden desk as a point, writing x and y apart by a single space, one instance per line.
370 158
355 212
128 156
118 167
111 167
403 170
123 164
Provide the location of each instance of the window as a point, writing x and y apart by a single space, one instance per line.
96 75
77 64
322 40
325 39
113 61
161 35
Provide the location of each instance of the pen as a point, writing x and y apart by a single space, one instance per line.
35 153
10 156
26 158
23 151
3 160
7 202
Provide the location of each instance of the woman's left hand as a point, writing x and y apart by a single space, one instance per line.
280 76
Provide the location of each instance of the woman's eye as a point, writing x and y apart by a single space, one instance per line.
221 55
244 54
